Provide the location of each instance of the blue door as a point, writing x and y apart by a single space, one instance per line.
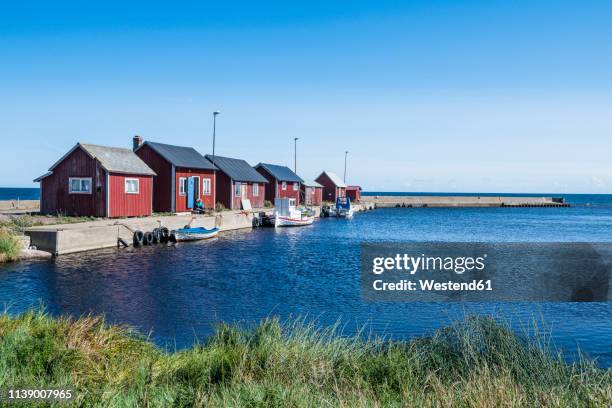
190 192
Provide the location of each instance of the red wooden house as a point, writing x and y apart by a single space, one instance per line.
333 186
97 181
282 182
184 176
354 193
237 181
312 192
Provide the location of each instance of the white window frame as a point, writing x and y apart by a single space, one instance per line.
125 183
255 189
206 181
296 186
182 186
81 180
237 189
284 185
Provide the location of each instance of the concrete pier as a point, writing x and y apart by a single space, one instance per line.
83 236
463 201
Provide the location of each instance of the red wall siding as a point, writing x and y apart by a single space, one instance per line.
274 187
330 191
353 194
289 192
55 196
256 202
181 200
162 183
224 189
130 205
313 195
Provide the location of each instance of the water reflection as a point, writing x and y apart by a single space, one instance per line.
180 292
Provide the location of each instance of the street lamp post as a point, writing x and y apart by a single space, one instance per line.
345 154
214 189
215 113
295 139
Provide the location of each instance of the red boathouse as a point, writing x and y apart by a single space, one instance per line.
183 176
282 182
237 181
354 193
333 186
312 192
97 181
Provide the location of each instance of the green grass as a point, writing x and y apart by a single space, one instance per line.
476 362
9 247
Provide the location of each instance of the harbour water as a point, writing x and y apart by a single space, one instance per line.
179 293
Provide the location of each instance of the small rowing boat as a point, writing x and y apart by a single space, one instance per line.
194 234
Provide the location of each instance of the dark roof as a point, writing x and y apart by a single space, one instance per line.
180 156
113 159
237 169
282 173
311 183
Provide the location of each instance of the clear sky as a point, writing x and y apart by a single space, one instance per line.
458 96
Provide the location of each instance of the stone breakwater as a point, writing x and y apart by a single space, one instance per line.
463 201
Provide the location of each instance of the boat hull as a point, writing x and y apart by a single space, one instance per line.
195 234
281 221
345 214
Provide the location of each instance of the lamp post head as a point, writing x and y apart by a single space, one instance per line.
215 113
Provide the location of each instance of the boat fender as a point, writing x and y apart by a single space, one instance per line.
164 234
122 243
148 238
138 238
156 235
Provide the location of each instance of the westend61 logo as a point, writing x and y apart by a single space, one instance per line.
413 264
467 271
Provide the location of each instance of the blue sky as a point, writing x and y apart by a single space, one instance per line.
485 96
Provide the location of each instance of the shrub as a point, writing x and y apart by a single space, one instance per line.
268 204
9 247
220 207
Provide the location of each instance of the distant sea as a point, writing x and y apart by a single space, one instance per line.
574 199
9 193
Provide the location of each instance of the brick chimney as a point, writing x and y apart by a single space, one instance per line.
136 142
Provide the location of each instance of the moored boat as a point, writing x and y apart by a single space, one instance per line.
344 208
287 215
194 234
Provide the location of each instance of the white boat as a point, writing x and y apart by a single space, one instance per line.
287 215
344 209
194 234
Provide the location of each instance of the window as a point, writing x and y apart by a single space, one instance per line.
284 185
132 185
296 186
79 185
237 189
182 185
255 190
206 186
